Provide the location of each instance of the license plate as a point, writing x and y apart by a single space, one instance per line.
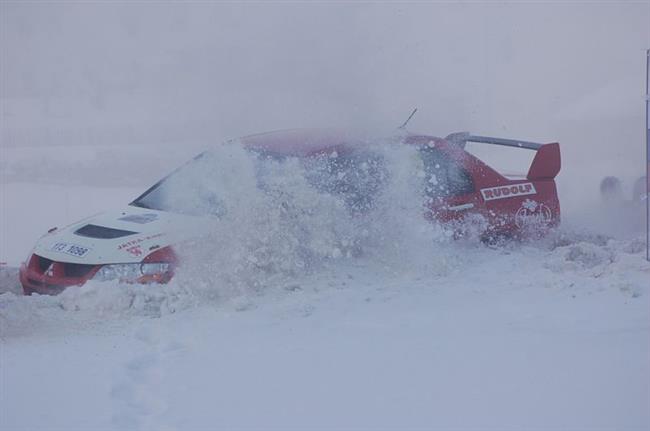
71 249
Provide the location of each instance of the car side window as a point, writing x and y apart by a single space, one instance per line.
356 177
444 176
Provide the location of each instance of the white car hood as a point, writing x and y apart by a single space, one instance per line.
146 232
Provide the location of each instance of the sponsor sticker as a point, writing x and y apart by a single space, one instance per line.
71 249
136 242
140 218
136 250
533 213
505 192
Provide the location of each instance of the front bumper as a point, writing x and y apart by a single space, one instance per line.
48 277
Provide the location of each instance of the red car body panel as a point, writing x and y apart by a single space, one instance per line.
41 275
505 204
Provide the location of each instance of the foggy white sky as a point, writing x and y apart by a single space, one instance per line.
143 72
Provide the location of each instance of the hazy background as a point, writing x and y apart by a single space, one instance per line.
168 76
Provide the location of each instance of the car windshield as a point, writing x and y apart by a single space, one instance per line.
192 189
197 188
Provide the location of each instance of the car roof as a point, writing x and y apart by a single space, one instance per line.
306 142
300 142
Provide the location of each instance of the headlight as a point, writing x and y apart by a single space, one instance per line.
154 268
134 272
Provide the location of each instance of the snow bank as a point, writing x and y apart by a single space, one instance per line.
553 335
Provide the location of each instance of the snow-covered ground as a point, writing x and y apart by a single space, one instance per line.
417 331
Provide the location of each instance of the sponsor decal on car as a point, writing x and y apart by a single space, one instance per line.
533 213
136 250
505 192
140 218
131 245
71 249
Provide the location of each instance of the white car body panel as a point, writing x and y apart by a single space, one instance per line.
154 230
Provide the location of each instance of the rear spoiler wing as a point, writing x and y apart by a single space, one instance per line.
545 165
461 138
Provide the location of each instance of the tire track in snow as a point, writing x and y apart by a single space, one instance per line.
138 398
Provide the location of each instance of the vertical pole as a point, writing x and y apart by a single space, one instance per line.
647 149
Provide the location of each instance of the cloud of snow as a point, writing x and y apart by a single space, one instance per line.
280 219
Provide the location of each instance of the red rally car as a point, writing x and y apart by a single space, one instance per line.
135 244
